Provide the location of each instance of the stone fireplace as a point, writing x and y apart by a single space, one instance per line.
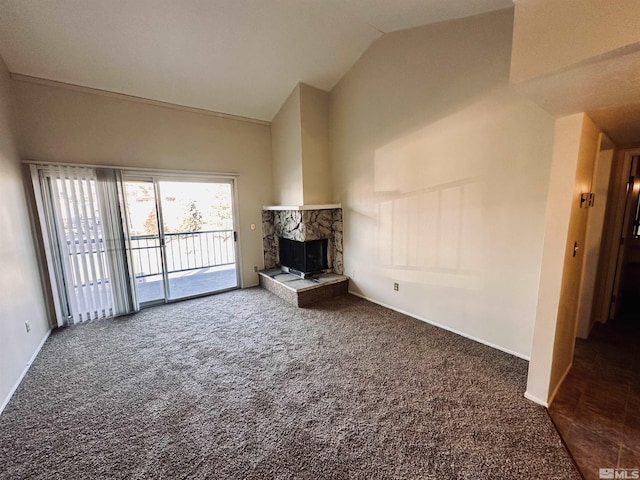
302 225
302 241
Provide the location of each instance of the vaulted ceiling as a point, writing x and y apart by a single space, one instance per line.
241 57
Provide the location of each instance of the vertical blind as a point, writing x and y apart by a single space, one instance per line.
83 211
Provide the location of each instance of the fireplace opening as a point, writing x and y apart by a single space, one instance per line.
303 258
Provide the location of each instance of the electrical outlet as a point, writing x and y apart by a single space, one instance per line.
27 326
396 287
255 268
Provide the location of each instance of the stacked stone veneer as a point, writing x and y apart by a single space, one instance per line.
302 226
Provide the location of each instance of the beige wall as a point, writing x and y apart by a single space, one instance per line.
316 169
300 148
286 149
551 36
21 296
60 125
442 171
575 147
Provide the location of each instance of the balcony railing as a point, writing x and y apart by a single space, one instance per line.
185 251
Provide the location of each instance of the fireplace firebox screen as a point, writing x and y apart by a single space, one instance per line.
303 258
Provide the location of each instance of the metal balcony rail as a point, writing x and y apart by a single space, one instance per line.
185 251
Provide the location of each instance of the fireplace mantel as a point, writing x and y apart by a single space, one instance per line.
328 206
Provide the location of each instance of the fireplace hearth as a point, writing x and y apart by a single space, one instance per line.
303 253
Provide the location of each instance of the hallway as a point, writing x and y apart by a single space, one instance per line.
597 409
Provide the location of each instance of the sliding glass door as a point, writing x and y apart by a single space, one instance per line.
145 240
182 237
115 241
198 237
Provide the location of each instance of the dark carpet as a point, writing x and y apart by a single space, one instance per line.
243 385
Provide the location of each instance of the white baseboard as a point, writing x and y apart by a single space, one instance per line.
24 372
535 399
444 327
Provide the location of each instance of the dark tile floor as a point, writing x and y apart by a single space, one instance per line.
597 409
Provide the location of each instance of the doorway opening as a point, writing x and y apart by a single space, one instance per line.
625 306
619 273
599 398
